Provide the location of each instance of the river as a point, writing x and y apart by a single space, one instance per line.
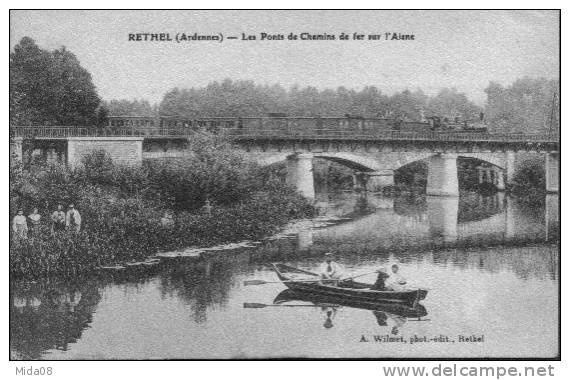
490 263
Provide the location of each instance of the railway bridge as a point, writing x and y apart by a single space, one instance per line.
365 145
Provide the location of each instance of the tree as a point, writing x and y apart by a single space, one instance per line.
50 88
450 103
245 98
407 105
529 105
102 116
133 107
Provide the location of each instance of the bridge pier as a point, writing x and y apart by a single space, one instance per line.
485 175
442 175
499 179
510 166
552 172
300 174
480 174
358 181
378 180
493 175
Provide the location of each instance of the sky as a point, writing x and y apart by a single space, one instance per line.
461 49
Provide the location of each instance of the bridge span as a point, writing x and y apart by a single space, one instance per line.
374 153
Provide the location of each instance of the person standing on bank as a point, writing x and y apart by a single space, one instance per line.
207 208
58 219
20 225
35 221
73 219
330 271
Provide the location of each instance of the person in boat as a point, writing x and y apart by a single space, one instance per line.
396 281
330 271
380 283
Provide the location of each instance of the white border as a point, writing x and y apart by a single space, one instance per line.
256 370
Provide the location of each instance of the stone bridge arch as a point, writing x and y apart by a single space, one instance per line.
358 162
395 161
495 159
354 161
497 166
370 162
376 170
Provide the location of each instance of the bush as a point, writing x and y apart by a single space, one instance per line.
122 207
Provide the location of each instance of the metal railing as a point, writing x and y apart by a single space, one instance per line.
291 131
168 154
64 132
391 135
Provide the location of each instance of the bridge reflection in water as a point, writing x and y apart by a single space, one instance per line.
472 219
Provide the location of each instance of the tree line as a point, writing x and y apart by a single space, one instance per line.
239 98
52 88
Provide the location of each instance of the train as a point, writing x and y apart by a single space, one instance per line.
303 124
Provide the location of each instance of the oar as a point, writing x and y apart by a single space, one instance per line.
360 275
253 305
262 282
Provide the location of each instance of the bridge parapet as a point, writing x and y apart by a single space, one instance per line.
263 133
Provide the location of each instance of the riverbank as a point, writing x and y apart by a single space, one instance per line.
130 214
290 229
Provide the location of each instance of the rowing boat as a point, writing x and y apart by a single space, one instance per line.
398 309
302 281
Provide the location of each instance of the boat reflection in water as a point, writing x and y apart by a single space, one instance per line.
383 312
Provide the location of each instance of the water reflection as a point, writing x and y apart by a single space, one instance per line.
384 313
469 220
442 217
200 284
49 315
484 257
330 313
304 239
552 217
